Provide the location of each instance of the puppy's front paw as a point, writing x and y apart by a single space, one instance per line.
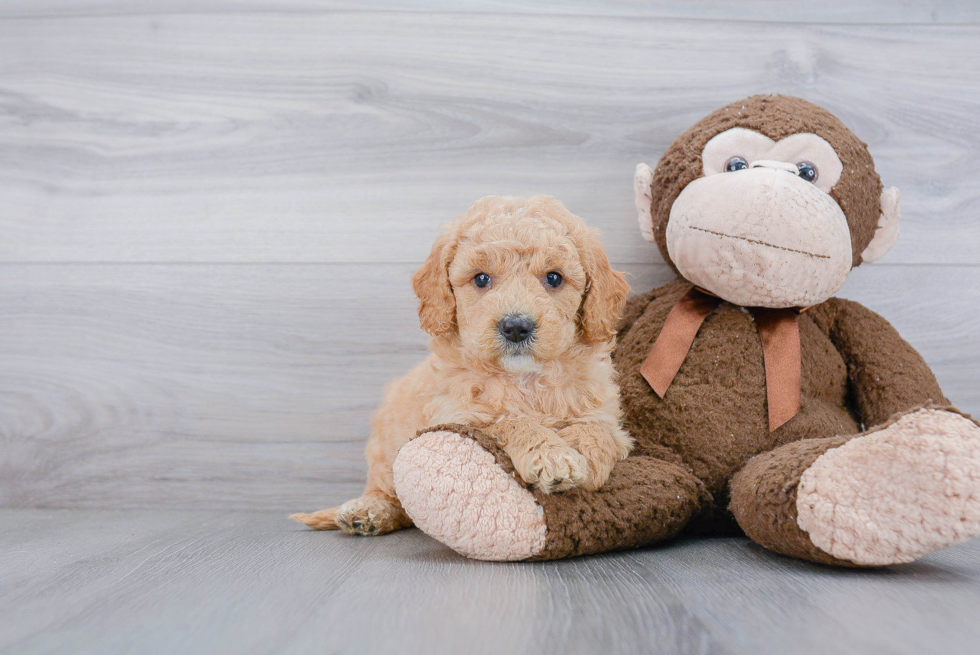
553 468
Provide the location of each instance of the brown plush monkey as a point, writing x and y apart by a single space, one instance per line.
751 392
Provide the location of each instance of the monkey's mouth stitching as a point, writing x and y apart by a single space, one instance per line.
761 243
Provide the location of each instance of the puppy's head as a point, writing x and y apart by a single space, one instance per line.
519 281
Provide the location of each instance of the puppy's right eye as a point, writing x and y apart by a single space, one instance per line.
481 280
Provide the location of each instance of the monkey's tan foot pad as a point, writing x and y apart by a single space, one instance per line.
455 491
895 494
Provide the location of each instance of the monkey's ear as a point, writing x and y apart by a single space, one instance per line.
887 231
642 183
605 295
437 304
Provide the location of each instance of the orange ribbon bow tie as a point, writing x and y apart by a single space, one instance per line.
778 329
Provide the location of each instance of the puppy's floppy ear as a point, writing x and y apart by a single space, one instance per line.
605 294
437 304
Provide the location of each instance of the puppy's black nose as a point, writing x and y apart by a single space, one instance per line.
516 328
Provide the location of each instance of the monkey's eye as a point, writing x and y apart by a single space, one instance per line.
807 171
481 280
553 279
736 164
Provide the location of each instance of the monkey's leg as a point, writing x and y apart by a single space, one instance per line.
459 487
888 496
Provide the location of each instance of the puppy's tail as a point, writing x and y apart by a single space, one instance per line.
325 519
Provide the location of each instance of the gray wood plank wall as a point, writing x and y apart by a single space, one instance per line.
209 213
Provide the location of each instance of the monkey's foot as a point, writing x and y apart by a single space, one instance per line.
455 491
895 494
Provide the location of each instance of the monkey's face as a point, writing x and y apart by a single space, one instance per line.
768 201
760 228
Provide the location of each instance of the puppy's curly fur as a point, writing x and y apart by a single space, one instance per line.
550 400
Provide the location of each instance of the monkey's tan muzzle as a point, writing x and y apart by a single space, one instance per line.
760 237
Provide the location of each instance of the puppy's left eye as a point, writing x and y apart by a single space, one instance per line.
553 279
481 280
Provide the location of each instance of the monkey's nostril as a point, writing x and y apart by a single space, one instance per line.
516 328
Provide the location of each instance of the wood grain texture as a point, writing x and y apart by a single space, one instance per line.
210 211
250 386
876 12
206 582
237 136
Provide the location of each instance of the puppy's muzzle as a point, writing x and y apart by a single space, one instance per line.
516 328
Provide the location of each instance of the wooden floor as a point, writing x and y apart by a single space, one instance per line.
91 581
209 214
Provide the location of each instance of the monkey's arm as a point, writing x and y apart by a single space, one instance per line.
886 374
